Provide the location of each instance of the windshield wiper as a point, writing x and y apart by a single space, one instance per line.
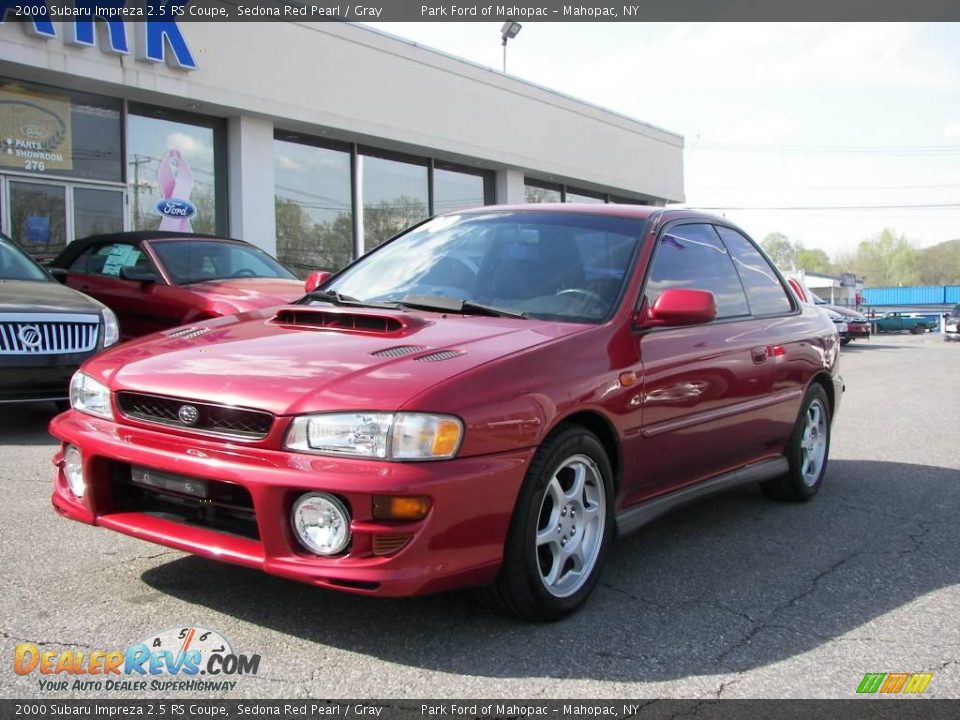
446 304
335 297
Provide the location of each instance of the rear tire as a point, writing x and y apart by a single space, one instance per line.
561 530
807 451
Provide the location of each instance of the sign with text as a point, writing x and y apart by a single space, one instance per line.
35 132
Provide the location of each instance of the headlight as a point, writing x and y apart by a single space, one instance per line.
111 328
90 396
391 436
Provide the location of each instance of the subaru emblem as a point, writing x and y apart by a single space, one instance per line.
188 415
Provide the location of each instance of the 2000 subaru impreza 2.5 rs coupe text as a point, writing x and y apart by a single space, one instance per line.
485 400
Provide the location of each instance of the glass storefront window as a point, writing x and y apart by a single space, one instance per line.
395 196
314 211
572 196
52 132
172 175
96 211
536 193
38 214
455 190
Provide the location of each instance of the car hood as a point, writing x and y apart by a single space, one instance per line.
308 359
846 312
25 296
247 294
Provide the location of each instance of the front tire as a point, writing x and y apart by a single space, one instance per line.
807 451
561 530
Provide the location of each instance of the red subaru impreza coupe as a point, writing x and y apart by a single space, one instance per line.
486 400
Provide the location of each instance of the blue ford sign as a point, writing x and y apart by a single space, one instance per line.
157 41
176 208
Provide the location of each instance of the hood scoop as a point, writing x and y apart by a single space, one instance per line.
440 355
398 351
344 320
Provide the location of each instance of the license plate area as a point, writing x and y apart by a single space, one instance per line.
168 482
212 504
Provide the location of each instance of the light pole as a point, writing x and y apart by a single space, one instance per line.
509 30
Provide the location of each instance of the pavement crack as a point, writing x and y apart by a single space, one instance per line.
633 596
790 602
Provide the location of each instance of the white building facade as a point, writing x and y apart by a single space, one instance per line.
314 141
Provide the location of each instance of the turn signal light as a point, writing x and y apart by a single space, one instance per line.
388 507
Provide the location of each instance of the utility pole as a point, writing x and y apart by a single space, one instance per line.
138 160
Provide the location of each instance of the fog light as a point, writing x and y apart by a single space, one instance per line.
321 523
73 470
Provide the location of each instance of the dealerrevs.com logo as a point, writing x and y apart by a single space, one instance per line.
179 659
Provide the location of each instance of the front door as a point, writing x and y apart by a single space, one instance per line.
38 216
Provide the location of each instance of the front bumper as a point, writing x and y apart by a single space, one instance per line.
459 543
38 378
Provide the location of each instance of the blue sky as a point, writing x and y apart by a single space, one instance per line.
797 115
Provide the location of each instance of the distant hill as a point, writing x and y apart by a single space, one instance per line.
940 264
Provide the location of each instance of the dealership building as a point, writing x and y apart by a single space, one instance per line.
314 141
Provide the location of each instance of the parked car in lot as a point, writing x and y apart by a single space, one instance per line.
485 400
897 322
159 280
951 330
850 324
46 329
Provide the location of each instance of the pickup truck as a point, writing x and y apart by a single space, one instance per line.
895 322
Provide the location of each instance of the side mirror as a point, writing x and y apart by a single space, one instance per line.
59 274
141 275
315 279
676 307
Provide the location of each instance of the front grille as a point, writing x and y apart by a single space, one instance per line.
221 506
210 418
38 334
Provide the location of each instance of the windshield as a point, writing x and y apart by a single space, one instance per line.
549 265
190 261
16 265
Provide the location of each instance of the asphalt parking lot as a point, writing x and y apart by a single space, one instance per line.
734 597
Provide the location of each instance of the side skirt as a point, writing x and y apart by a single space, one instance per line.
639 515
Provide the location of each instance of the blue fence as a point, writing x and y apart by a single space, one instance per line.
923 295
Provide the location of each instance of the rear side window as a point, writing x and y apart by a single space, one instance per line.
108 259
765 293
692 257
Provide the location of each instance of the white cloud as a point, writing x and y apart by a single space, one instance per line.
952 131
189 146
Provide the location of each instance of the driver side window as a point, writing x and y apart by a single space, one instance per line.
691 257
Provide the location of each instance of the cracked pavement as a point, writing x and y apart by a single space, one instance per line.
734 597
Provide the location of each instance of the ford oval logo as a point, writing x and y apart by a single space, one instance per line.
176 208
188 415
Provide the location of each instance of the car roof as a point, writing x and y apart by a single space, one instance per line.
640 212
74 249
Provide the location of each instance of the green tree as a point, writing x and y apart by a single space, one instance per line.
813 260
781 250
886 259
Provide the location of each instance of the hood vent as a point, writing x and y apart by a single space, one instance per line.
398 351
188 332
440 355
360 322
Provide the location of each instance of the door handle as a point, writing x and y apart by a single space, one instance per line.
759 354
